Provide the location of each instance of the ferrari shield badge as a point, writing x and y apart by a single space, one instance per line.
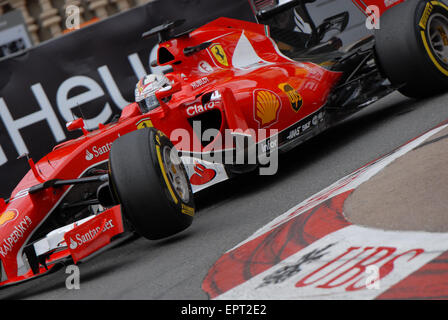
219 54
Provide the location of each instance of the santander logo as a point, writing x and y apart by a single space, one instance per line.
73 244
202 175
89 156
89 235
98 151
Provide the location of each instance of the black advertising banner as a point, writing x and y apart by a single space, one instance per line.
91 72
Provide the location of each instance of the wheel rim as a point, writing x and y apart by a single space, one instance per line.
174 169
438 37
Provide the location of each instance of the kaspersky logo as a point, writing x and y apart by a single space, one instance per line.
294 97
8 216
7 244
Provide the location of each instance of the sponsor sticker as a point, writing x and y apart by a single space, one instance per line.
302 127
426 14
199 83
98 151
336 265
294 97
187 210
269 145
202 175
196 109
205 67
219 54
94 234
266 107
15 236
8 216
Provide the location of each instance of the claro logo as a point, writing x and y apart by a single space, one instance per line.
82 238
198 108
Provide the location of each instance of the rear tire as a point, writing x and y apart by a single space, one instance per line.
154 192
408 46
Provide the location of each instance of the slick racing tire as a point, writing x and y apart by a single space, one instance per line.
412 47
151 186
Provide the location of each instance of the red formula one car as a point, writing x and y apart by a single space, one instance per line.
238 94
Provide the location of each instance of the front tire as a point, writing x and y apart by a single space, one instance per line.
412 47
152 187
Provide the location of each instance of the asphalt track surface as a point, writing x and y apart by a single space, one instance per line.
230 212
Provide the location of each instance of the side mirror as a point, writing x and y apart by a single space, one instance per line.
76 124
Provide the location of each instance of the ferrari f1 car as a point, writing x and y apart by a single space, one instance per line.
236 89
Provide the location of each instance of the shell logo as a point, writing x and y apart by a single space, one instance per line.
8 216
267 106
